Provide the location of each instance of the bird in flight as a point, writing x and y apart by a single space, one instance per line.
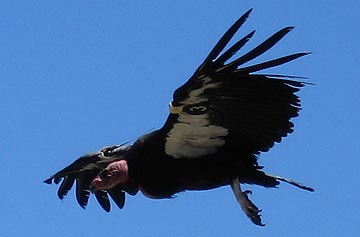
220 121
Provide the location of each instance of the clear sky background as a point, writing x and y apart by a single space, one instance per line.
76 76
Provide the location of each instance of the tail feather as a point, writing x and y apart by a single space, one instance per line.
271 181
292 182
260 178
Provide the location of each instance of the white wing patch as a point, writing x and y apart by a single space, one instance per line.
192 135
195 95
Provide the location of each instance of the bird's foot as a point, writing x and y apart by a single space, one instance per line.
246 205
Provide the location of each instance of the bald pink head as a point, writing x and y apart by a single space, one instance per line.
114 174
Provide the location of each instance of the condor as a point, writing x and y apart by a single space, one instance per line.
220 120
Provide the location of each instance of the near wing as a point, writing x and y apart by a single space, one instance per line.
224 104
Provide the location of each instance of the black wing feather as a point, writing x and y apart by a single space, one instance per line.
270 63
257 51
118 196
103 199
224 40
233 49
65 186
269 103
83 190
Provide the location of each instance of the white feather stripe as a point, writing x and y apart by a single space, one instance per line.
195 96
193 136
194 120
191 141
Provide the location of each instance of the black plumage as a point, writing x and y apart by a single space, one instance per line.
220 120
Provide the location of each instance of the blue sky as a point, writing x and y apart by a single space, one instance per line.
79 75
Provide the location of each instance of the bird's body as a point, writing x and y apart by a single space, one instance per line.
220 120
162 176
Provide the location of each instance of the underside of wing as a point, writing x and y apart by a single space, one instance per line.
226 106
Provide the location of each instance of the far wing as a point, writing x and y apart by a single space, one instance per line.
225 106
82 171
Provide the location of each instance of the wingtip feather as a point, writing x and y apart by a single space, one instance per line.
224 40
48 181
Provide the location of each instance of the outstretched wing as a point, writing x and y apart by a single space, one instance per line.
82 171
225 105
